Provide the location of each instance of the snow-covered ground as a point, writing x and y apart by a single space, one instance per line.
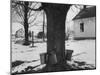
27 53
84 50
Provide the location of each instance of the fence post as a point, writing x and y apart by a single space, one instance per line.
32 39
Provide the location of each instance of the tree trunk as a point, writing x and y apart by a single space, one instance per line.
56 15
26 23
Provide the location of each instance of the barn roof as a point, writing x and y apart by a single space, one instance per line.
86 13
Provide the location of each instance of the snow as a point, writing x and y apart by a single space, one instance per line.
84 50
27 53
16 26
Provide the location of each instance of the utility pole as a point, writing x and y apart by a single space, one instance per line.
43 26
32 39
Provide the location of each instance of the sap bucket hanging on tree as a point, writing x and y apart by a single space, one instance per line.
68 54
52 58
43 58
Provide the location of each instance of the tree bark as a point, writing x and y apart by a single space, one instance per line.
26 23
56 16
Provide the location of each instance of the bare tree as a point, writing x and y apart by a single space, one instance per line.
24 10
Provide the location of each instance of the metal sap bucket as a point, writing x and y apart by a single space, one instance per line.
48 58
43 58
52 58
68 54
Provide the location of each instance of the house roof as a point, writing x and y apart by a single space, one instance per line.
86 13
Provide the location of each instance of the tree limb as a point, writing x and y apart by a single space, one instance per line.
29 13
39 9
34 18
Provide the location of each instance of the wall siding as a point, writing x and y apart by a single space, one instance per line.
89 28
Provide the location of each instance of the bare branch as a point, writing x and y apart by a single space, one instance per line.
38 9
35 24
72 10
80 7
22 12
19 22
34 18
29 13
19 12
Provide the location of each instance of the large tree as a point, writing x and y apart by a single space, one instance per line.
24 11
56 16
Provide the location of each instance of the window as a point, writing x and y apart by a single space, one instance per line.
81 27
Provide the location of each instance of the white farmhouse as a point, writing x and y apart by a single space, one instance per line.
85 24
